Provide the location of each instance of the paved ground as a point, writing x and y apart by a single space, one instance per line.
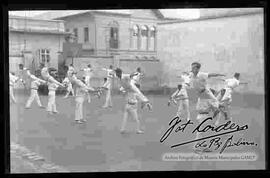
25 161
97 145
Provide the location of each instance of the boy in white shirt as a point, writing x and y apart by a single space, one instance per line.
51 108
35 83
81 90
133 94
102 88
71 74
88 72
207 104
68 84
225 96
198 81
71 68
136 76
25 74
180 96
46 76
12 80
108 85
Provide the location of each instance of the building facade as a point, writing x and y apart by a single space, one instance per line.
34 41
126 39
132 35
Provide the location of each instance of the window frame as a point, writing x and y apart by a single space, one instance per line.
44 55
114 37
152 31
152 36
86 34
75 31
145 29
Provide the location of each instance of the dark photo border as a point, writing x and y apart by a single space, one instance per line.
106 4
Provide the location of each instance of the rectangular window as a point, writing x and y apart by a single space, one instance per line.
86 34
44 55
47 55
75 31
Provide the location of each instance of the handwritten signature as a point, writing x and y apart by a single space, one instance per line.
216 143
229 127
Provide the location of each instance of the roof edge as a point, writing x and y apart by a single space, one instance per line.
35 19
210 17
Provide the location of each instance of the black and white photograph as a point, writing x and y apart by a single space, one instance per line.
124 90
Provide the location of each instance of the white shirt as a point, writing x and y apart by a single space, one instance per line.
52 86
44 72
21 73
137 77
232 83
182 94
71 68
132 97
186 79
130 87
199 82
110 73
24 73
66 82
70 73
88 72
12 79
80 91
35 84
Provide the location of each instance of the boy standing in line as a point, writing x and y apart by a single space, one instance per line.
51 97
133 94
35 83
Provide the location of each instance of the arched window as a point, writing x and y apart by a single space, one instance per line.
135 37
144 37
114 35
152 39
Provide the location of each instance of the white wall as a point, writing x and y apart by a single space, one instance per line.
224 45
35 41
